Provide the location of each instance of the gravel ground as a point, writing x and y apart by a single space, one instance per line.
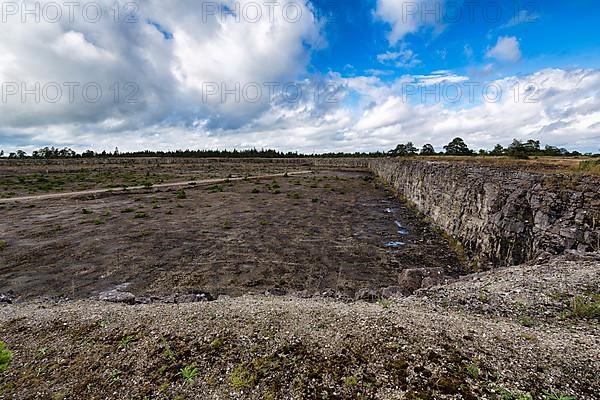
497 335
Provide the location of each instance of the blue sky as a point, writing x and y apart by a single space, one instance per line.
181 61
552 34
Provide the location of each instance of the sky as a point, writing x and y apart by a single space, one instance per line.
310 76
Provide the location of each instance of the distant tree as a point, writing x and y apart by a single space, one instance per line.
21 154
411 149
458 147
404 150
427 150
517 150
483 152
1 153
498 150
532 147
551 151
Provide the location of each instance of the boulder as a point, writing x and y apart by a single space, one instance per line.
366 294
391 292
116 296
410 280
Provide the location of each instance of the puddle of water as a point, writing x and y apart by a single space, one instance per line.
395 244
401 230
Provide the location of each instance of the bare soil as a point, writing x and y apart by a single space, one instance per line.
338 230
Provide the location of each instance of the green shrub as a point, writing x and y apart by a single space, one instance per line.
181 194
5 356
126 341
2 245
188 373
583 307
140 214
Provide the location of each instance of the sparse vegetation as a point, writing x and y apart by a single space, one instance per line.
2 245
527 321
215 188
126 341
585 307
5 356
189 373
181 194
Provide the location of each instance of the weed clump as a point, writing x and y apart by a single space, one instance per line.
188 373
5 356
583 307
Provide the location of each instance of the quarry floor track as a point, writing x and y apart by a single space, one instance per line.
161 185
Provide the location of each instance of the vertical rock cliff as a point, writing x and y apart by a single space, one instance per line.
501 215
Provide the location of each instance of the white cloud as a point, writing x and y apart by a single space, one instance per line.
408 16
507 48
171 73
404 58
370 113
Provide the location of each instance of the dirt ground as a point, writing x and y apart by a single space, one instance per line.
519 341
338 230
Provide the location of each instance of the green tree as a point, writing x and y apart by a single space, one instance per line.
498 150
427 150
458 147
404 150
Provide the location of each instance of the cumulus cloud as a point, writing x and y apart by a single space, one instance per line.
170 56
507 48
404 58
408 16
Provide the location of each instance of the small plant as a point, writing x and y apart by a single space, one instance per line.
98 222
5 356
473 371
114 377
181 194
41 352
215 189
140 214
127 210
255 191
188 373
241 377
148 185
527 322
385 303
127 340
2 244
264 222
85 211
350 381
226 224
552 395
315 200
583 307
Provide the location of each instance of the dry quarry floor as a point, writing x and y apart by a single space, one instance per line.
528 344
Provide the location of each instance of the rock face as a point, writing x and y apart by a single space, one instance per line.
410 280
501 215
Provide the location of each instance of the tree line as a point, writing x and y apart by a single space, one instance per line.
457 147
